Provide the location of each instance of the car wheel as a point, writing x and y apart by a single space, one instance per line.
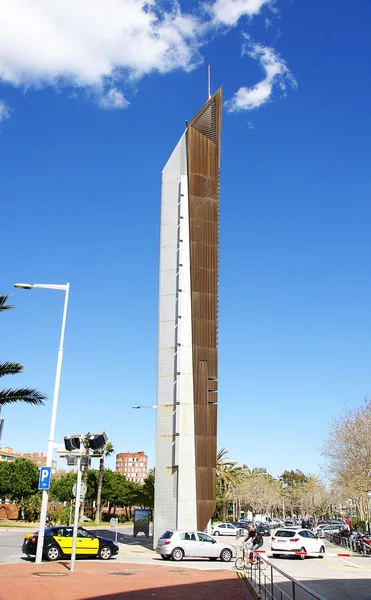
213 557
177 554
225 555
216 533
53 553
322 551
105 553
302 556
275 555
165 557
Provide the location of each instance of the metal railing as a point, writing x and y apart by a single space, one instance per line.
266 579
353 544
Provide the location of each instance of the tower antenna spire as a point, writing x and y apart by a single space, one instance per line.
208 82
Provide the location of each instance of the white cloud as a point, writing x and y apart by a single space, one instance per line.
103 45
228 12
89 42
114 98
4 111
276 74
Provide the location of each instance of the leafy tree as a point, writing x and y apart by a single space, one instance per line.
5 479
315 499
259 492
348 450
61 487
146 492
292 478
30 505
128 493
92 485
228 476
9 396
107 451
24 478
292 484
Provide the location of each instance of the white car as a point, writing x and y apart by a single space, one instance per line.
296 540
176 545
321 530
226 529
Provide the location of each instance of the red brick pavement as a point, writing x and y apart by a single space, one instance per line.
113 581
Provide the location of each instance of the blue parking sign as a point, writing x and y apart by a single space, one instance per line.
44 479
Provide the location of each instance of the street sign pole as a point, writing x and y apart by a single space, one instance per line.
114 523
77 509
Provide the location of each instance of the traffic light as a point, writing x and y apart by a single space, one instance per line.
72 442
96 441
85 460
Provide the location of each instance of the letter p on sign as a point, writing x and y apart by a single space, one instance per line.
44 479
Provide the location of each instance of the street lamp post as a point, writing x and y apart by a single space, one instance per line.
356 506
49 456
349 503
368 513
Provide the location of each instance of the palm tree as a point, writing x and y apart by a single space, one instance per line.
146 494
107 451
228 475
9 396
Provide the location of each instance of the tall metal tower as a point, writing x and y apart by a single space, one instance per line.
188 327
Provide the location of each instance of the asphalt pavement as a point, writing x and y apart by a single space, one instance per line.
335 578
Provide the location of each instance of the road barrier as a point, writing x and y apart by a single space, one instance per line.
297 553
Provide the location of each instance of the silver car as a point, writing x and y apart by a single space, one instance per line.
178 544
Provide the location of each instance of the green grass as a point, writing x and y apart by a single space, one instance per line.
17 526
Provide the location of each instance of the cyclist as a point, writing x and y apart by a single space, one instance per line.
256 540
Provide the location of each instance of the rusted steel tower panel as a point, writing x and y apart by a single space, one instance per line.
203 140
188 325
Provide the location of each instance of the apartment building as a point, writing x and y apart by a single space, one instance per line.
38 458
133 465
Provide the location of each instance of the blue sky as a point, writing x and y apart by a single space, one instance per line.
93 99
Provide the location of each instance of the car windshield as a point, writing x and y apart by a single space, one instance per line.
166 535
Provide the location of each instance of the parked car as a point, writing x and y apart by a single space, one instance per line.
241 525
176 545
247 522
289 523
321 530
274 523
264 528
300 540
226 529
58 544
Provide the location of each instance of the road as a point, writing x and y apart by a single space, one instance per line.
335 578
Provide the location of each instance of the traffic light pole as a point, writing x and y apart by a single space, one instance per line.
77 510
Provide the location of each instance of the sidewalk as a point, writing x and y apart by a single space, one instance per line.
118 581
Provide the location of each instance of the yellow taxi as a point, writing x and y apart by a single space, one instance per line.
58 544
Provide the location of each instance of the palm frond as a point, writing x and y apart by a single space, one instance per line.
3 304
26 395
10 368
109 449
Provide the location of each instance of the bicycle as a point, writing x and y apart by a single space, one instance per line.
240 561
249 557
